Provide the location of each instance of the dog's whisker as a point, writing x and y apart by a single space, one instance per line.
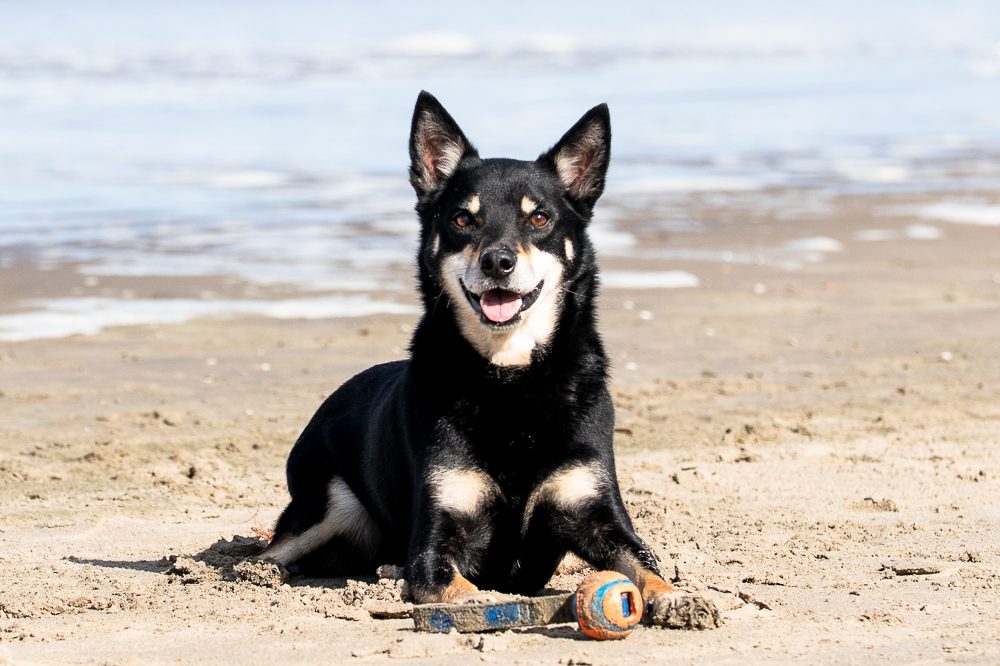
436 299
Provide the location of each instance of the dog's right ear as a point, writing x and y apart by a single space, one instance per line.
437 145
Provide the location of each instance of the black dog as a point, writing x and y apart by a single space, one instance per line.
485 458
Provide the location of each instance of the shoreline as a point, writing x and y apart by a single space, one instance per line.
686 241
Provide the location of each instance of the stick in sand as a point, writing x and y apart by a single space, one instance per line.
466 618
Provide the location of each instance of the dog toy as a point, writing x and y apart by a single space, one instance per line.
606 605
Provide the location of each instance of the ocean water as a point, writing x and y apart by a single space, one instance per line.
267 141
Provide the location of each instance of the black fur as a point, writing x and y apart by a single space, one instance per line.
449 406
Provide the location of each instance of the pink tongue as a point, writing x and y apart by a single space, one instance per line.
499 305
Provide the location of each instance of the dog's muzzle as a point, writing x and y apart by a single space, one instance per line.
500 307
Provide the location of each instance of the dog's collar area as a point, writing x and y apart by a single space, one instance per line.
499 308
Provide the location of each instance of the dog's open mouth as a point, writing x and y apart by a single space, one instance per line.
497 307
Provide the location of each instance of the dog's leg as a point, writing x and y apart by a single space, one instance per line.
581 507
666 606
454 530
620 549
623 551
540 552
308 525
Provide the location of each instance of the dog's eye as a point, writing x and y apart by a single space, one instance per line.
538 219
462 220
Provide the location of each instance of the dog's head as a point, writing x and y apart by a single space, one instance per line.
502 239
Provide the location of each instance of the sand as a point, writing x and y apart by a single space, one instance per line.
816 450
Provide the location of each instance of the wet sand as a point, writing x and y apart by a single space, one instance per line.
817 450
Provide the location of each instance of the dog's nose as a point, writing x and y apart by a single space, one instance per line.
497 262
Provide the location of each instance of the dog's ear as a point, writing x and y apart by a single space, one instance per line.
581 156
437 144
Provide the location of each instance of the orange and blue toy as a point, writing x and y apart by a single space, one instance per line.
607 606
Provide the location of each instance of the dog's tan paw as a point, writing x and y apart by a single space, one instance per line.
682 610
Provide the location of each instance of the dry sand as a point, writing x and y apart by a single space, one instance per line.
822 459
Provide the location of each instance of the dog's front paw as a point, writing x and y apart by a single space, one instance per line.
682 610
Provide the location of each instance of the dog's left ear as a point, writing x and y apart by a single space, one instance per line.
437 145
581 156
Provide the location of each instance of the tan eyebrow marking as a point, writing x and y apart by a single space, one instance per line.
472 204
528 205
